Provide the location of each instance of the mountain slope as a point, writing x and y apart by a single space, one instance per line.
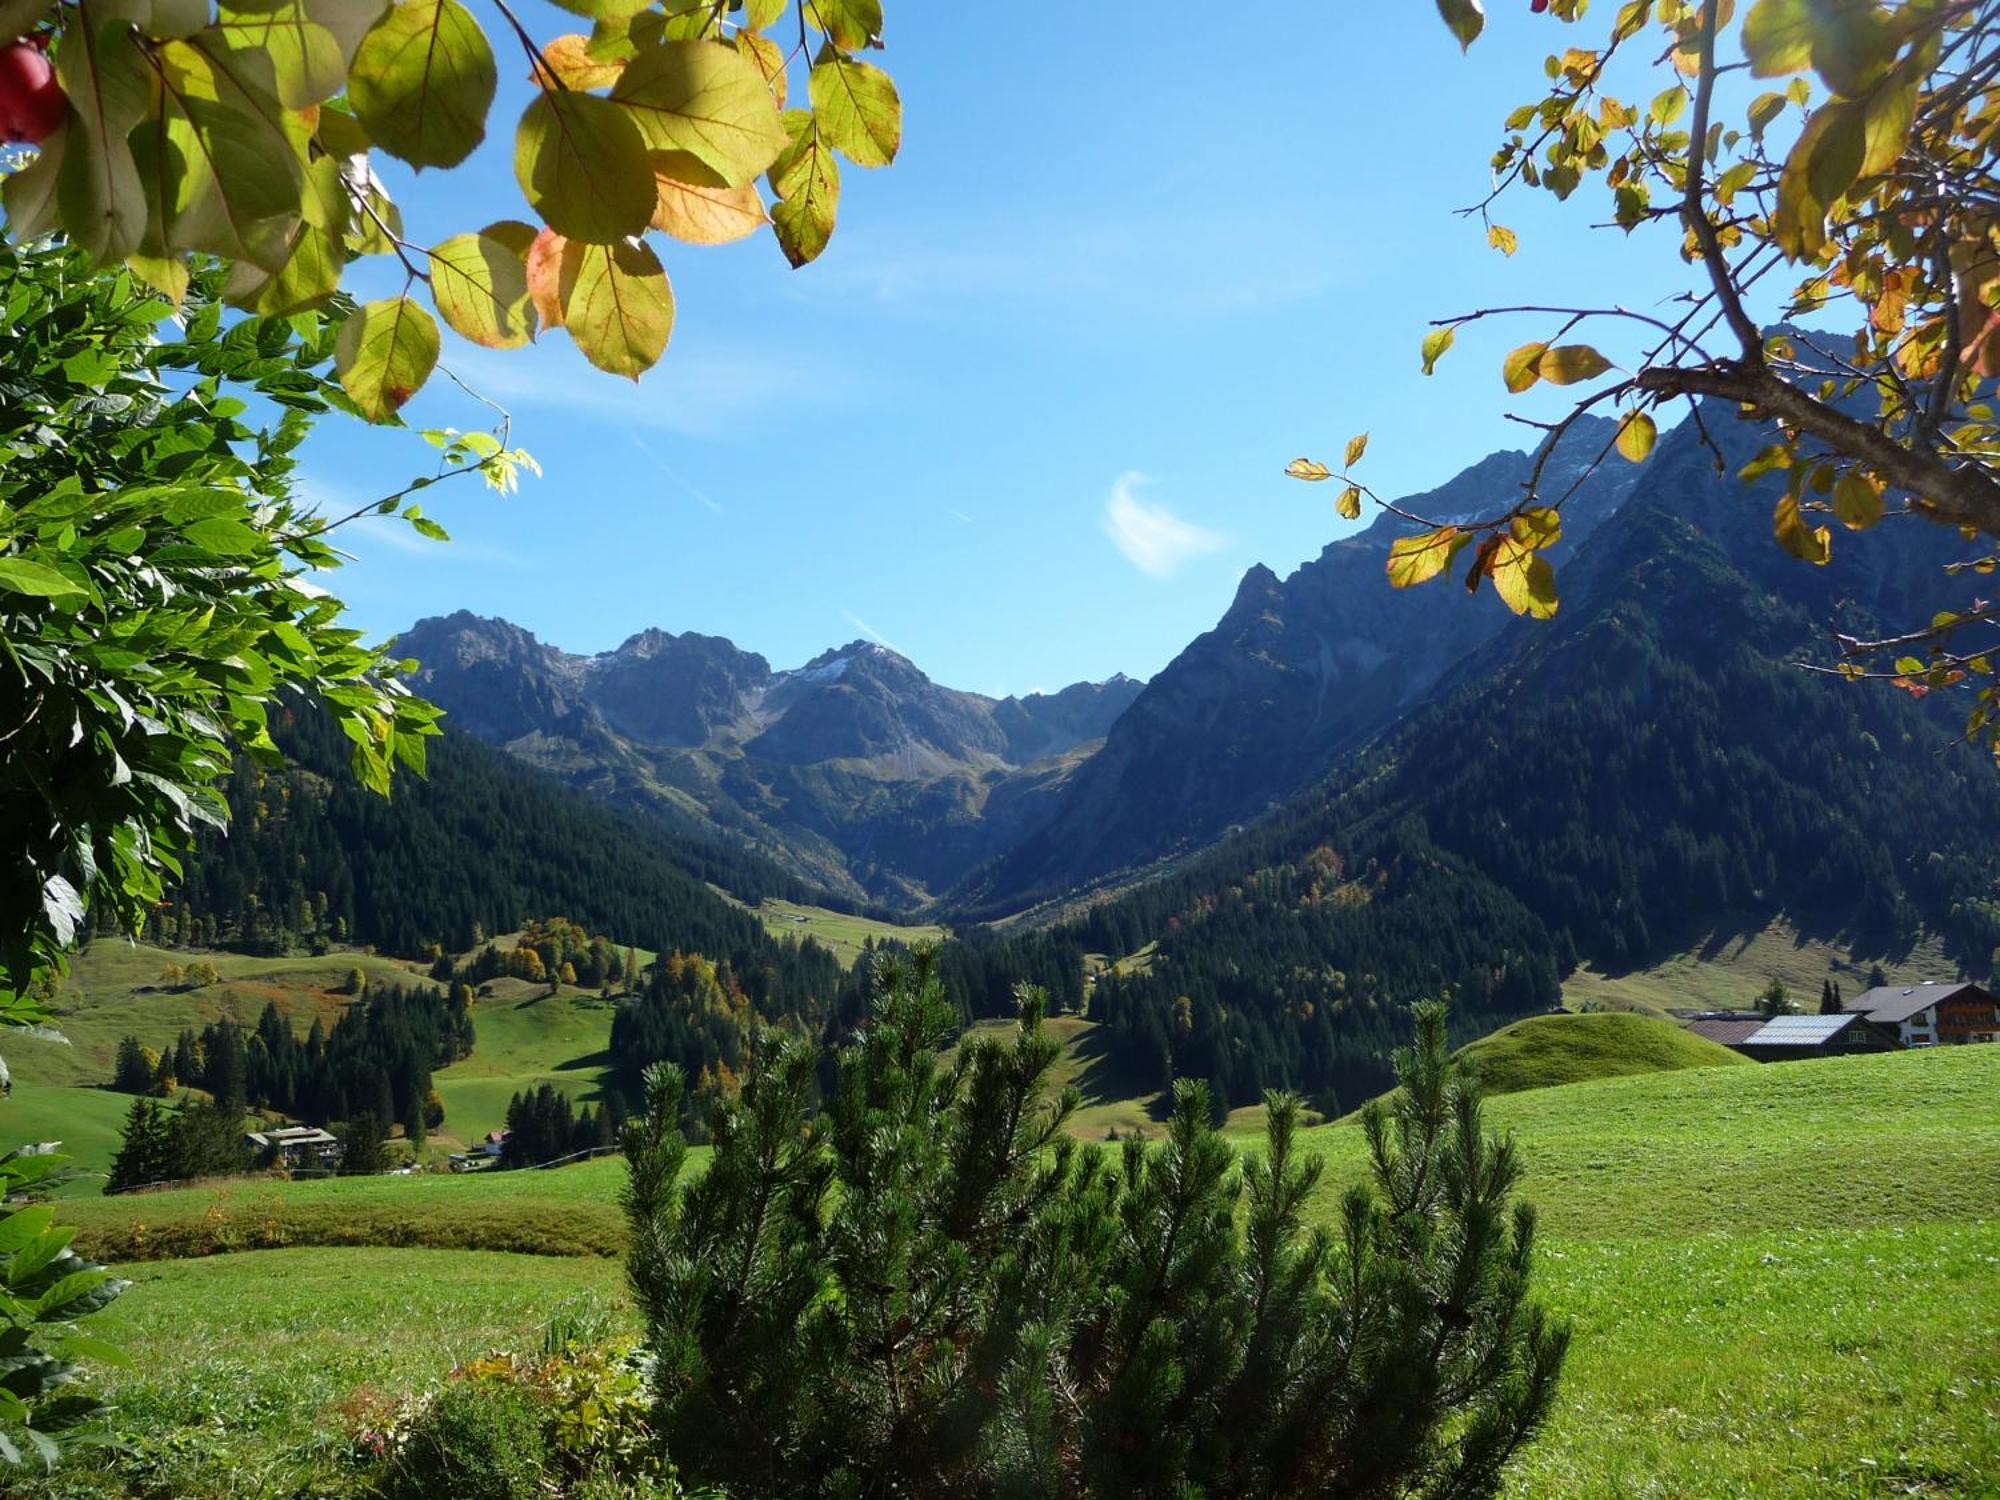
1650 765
855 771
1296 673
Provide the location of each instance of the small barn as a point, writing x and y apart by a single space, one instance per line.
1931 1015
1730 1028
1787 1038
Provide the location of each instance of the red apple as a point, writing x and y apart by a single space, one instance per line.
31 101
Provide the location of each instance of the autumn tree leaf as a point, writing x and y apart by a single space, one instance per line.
697 208
1310 470
582 163
1466 18
1420 558
617 305
480 284
1522 368
806 180
858 109
1813 544
1566 364
1349 503
1436 342
422 82
385 352
1636 436
1523 579
708 101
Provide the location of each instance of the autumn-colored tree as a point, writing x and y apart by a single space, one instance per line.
247 129
1853 199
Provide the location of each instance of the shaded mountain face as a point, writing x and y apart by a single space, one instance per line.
1298 672
855 771
1646 771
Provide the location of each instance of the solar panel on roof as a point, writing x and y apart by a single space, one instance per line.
1800 1031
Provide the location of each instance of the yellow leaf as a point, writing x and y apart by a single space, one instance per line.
1636 436
1857 501
1524 580
1503 239
1420 558
1536 527
698 209
1356 446
1522 368
1435 343
1566 364
1349 503
1813 544
1308 469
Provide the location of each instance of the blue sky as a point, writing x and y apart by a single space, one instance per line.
1026 420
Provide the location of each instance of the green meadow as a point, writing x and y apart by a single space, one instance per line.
1784 1281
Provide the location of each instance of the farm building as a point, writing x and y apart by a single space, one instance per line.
1786 1038
1931 1015
293 1146
1729 1027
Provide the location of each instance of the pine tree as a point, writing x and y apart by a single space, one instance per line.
929 1288
145 1150
363 1143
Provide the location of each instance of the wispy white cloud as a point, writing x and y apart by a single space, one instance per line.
1152 538
871 632
955 512
694 491
399 536
695 394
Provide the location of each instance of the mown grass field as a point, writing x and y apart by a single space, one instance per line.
837 930
1784 1281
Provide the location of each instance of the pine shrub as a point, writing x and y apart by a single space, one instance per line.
925 1286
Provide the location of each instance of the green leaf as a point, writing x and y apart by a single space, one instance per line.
1566 364
1523 367
707 100
220 173
98 189
582 163
480 286
606 10
1636 436
858 109
422 82
385 352
1466 18
20 576
1435 343
224 536
618 306
806 179
1420 558
1308 469
311 43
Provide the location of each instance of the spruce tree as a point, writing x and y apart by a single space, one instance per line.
927 1287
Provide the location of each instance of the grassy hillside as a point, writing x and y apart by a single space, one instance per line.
1543 1051
1781 1280
838 931
1727 968
524 1037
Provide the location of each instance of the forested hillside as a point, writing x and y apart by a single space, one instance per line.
479 847
1652 765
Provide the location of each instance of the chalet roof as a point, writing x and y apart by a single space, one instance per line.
291 1135
1728 1030
1802 1031
1891 1005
